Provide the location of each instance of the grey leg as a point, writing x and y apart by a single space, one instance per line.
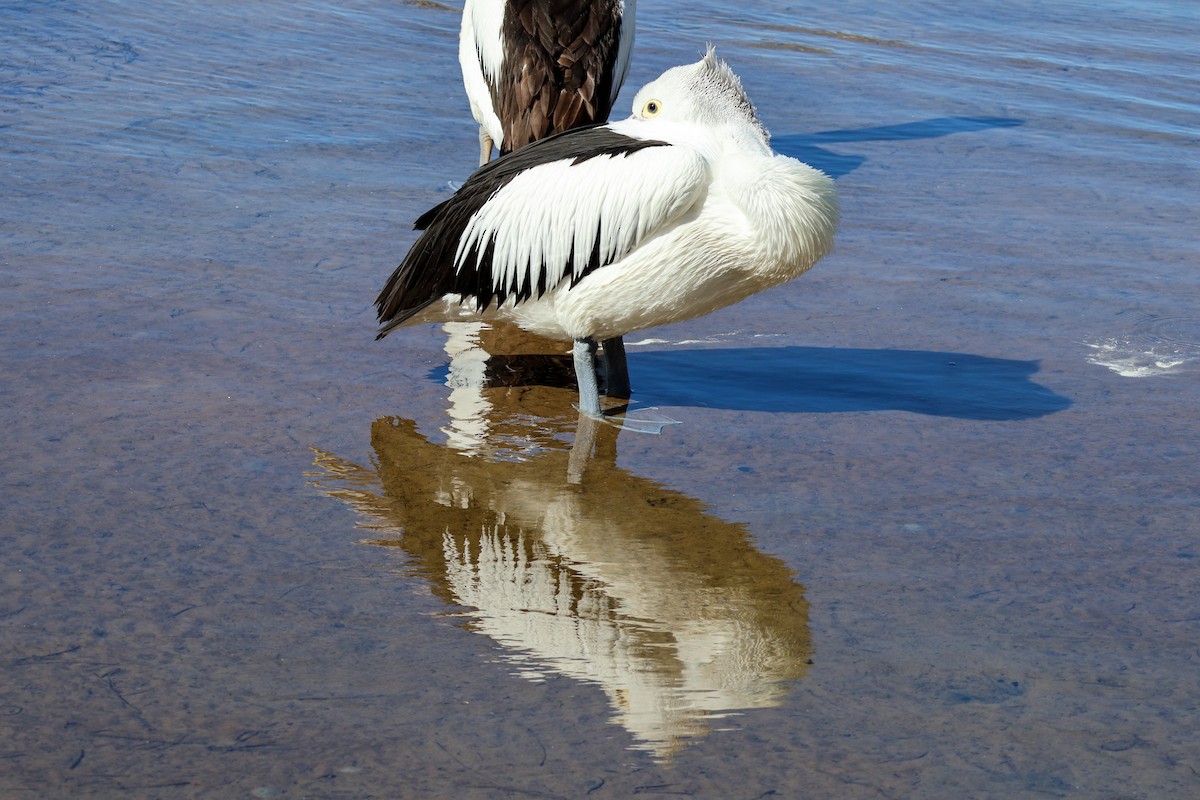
485 147
585 375
616 369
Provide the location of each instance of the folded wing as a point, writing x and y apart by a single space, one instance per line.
552 212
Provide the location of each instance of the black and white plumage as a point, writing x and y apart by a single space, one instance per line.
533 68
588 235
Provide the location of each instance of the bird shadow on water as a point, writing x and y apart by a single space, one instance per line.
818 380
805 380
809 380
808 147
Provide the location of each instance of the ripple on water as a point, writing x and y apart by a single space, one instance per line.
1158 345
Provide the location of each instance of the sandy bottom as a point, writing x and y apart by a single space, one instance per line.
919 593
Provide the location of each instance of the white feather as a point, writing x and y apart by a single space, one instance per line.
554 212
480 54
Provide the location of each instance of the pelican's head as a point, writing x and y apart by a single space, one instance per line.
705 93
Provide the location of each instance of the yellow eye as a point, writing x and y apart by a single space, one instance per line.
651 109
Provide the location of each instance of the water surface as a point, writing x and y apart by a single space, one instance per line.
927 526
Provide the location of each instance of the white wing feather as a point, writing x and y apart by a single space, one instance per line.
480 53
550 215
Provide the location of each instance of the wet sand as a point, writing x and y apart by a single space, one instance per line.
946 548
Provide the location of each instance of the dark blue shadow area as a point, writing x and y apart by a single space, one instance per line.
833 379
807 146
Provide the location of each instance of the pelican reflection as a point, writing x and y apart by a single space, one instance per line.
615 579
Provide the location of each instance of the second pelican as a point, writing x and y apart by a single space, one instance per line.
533 67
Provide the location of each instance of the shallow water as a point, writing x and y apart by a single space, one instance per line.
927 527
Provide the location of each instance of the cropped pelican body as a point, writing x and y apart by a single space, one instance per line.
591 234
532 68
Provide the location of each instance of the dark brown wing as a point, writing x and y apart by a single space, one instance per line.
559 67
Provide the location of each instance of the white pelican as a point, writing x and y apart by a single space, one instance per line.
533 68
591 234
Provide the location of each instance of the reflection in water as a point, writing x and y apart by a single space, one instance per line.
498 353
613 579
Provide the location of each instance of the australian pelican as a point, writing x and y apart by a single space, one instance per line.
588 235
533 68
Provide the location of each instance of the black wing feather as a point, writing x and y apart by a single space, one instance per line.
428 273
